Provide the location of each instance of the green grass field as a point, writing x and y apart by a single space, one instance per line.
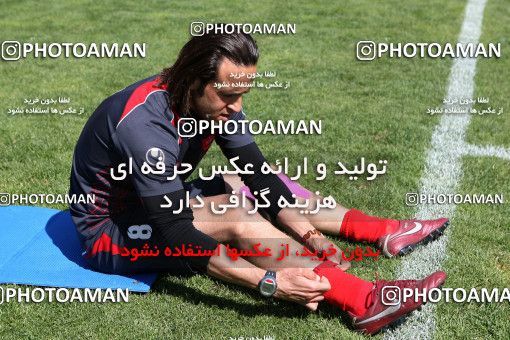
375 110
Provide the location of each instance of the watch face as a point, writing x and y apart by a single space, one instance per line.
268 287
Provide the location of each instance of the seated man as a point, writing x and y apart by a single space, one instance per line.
138 127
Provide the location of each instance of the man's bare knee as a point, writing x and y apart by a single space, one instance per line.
232 183
235 223
255 225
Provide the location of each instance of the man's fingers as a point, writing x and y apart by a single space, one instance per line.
344 265
318 298
335 259
324 284
309 274
320 286
312 296
312 306
341 263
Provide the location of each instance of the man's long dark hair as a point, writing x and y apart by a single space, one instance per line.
199 60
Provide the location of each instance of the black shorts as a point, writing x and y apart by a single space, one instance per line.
107 250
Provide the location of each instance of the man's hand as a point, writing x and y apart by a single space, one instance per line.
322 244
301 285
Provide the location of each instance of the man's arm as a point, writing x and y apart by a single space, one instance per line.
299 285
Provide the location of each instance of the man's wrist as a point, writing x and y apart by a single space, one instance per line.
267 285
310 235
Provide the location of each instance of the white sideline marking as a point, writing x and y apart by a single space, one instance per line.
488 151
441 175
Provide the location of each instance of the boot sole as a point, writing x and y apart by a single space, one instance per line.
434 235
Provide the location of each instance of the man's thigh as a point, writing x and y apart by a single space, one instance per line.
133 232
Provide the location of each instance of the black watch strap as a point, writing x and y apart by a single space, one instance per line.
271 273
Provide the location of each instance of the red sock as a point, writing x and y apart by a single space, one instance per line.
348 292
357 226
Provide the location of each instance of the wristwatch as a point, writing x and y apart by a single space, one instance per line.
267 285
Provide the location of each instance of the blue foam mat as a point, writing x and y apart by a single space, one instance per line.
40 247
